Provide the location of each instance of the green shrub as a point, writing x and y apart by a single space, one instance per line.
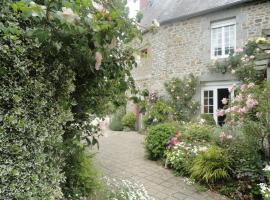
116 120
158 112
156 139
82 179
199 133
211 166
116 124
129 120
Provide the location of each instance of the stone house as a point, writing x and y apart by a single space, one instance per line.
191 34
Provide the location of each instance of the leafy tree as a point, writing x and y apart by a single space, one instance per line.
62 61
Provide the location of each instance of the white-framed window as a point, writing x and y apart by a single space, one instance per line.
223 38
208 101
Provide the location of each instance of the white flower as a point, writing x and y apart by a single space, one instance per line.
68 15
155 23
267 168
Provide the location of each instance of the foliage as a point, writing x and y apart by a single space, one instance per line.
129 120
181 92
181 156
122 190
207 119
156 140
196 132
243 62
82 180
157 112
211 166
116 120
59 61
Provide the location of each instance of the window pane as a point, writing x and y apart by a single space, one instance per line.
211 101
211 109
205 109
205 93
205 101
229 34
210 94
217 41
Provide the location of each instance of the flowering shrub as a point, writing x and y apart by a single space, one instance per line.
115 189
157 112
243 62
156 140
181 92
250 110
181 156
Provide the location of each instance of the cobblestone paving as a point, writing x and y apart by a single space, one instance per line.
121 155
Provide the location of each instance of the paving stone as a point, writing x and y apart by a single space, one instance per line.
121 155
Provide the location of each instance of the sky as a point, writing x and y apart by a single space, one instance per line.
133 7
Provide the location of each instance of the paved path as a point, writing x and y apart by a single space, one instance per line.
121 155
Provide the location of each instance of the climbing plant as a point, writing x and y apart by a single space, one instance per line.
61 61
244 62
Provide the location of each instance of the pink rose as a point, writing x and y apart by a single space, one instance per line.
243 87
239 97
251 102
238 50
224 101
232 88
221 113
241 111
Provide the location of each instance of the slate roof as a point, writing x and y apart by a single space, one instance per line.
169 10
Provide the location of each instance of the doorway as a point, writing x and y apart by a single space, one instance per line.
211 98
222 93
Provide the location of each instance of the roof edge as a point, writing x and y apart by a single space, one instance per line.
184 17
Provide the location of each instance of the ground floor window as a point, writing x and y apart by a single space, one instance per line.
211 98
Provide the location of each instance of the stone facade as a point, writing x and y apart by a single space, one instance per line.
184 46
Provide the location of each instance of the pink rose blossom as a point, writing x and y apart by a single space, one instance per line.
221 113
239 97
268 51
238 50
224 101
241 111
251 102
98 58
243 87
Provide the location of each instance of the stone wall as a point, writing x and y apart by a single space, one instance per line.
183 47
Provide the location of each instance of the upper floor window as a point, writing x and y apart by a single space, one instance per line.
223 38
